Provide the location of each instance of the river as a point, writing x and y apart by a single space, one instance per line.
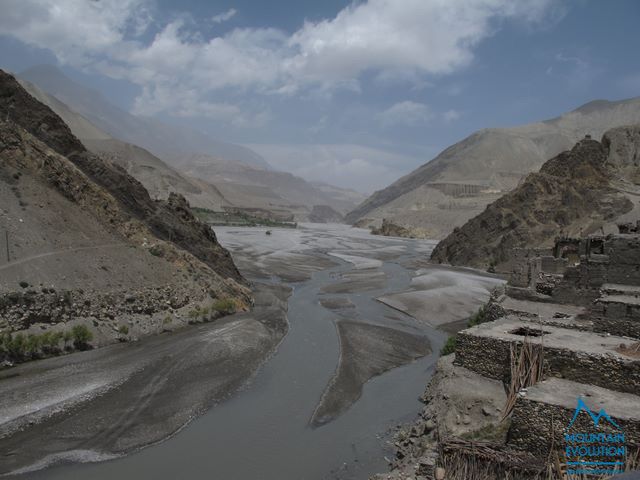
266 430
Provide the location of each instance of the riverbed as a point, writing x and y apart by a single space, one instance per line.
351 367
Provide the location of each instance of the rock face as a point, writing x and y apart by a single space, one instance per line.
460 182
587 189
390 229
167 220
83 242
324 214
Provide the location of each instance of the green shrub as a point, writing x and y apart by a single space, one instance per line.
224 305
17 345
55 339
450 346
167 320
81 336
123 329
479 317
5 344
32 344
24 284
67 336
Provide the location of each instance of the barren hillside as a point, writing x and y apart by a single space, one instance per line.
83 240
460 182
585 190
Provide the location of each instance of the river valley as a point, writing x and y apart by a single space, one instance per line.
362 341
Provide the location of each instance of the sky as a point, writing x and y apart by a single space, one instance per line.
355 94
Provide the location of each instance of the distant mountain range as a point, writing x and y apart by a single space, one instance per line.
159 138
462 180
209 174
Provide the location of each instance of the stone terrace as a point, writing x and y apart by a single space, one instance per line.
572 354
543 412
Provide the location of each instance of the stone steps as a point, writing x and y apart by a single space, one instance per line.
543 412
569 353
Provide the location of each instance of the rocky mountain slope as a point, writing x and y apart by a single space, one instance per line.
82 240
161 139
585 190
461 181
220 179
157 177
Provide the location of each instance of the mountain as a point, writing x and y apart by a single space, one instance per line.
157 177
159 138
344 199
227 177
462 180
85 239
249 187
587 189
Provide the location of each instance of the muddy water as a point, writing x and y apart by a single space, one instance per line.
263 431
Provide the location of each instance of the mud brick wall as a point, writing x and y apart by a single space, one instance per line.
549 264
490 357
519 265
624 260
536 426
617 318
581 283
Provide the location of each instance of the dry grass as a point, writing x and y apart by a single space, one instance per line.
632 350
527 369
463 460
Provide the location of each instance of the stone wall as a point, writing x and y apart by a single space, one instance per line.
536 426
624 259
607 371
616 317
20 310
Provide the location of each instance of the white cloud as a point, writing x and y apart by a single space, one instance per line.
406 113
418 38
223 17
451 116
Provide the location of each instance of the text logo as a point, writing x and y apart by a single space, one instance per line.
600 450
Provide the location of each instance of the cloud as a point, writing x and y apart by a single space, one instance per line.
406 113
451 116
416 38
223 17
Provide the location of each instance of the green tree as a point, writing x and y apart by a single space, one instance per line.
81 336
